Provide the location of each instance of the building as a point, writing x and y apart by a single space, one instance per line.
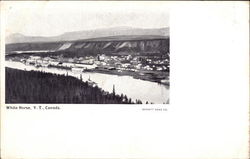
129 57
102 57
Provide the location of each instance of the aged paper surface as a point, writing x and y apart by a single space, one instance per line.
66 68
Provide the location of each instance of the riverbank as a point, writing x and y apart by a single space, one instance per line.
152 76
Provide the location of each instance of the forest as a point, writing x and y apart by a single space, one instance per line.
40 87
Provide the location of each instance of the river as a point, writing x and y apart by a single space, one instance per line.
133 88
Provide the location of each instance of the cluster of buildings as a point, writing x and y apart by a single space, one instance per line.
134 63
60 62
120 63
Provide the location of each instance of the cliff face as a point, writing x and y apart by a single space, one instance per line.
95 46
135 46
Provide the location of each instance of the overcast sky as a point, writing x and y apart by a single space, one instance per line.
54 18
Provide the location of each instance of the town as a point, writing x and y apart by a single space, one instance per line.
152 68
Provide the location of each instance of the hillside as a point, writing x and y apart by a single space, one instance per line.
40 87
129 44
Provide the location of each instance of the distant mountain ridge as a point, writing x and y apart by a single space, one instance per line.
126 32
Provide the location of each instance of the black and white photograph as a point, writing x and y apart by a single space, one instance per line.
87 56
124 79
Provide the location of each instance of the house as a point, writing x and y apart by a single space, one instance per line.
118 65
148 68
102 57
97 62
45 64
138 66
129 57
54 63
30 61
125 65
159 68
88 61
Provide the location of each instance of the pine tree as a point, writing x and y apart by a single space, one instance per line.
113 90
129 101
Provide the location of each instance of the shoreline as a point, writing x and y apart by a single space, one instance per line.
142 75
160 77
